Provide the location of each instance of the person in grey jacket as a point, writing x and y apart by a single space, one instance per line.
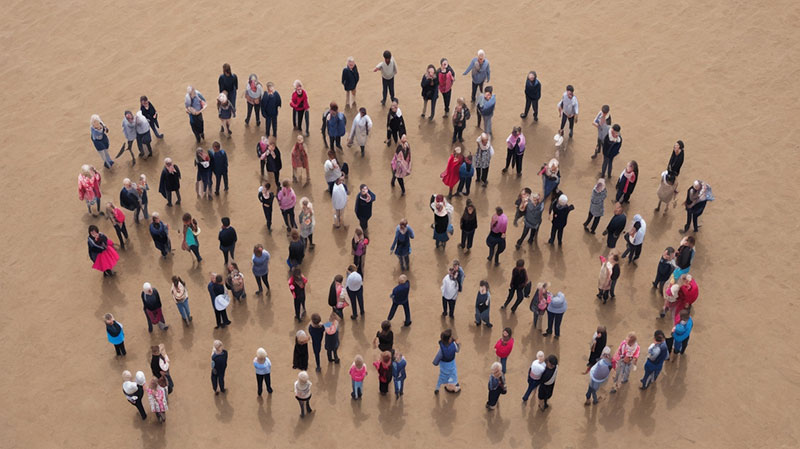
481 72
533 218
596 208
129 130
555 313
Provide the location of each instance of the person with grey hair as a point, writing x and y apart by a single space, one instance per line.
350 79
115 334
497 385
533 218
195 104
596 205
483 157
559 210
598 375
252 95
129 131
151 302
568 110
481 72
170 181
302 392
134 391
555 313
533 92
99 135
129 199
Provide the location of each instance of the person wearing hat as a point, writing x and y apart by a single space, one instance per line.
496 240
219 300
560 211
442 220
568 109
227 239
598 375
115 334
555 313
152 307
450 175
134 391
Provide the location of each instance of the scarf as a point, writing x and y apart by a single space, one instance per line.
630 178
253 85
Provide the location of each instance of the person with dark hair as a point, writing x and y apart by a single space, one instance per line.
336 296
612 143
602 122
627 182
195 104
657 353
227 239
220 165
696 198
486 105
450 176
446 77
483 306
533 92
300 106
515 146
358 246
317 332
481 72
680 333
615 226
216 288
149 112
683 257
518 284
190 233
635 239
297 249
568 109
496 240
271 159
469 223
504 346
270 103
181 297
115 334
229 82
253 94
205 165
170 181
350 79
442 220
363 209
332 338
401 245
401 164
446 361
266 198
664 269
354 284
384 338
399 297
599 339
547 381
297 285
395 124
449 292
336 123
362 125
676 159
430 90
102 252
596 205
559 209
388 69
460 117
667 191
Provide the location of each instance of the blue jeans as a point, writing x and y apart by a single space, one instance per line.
358 388
183 308
532 384
503 362
357 300
398 385
591 392
106 158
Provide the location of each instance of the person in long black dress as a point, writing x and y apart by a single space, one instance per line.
317 332
548 381
598 343
300 357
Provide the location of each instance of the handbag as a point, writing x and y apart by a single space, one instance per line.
221 302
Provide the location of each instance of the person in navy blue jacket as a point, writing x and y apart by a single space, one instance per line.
364 206
129 199
665 269
270 103
220 165
533 92
400 299
227 239
350 80
336 124
612 143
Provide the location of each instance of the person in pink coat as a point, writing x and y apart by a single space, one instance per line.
503 347
101 251
358 371
450 175
516 149
286 201
89 188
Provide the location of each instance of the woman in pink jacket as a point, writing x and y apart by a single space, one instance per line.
516 149
299 106
286 201
89 188
446 78
625 358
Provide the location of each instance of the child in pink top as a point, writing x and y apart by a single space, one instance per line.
358 371
504 346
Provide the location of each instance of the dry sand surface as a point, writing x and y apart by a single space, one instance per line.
719 75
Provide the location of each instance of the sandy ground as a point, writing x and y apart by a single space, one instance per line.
721 76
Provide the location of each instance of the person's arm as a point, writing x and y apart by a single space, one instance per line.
576 108
471 65
488 71
377 67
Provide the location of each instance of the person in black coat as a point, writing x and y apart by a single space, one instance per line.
615 226
159 231
219 363
129 199
364 202
170 182
149 112
596 350
273 160
350 80
270 103
676 159
228 82
533 92
519 281
227 239
219 165
560 211
612 143
665 269
297 249
430 90
216 288
395 124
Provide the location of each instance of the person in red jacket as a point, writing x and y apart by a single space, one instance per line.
504 346
450 174
299 106
687 295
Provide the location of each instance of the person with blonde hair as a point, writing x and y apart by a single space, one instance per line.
302 392
195 104
219 363
624 359
300 106
157 395
98 133
299 159
535 371
151 301
497 385
134 392
307 221
263 369
551 177
115 334
89 188
117 219
226 110
350 79
358 371
481 72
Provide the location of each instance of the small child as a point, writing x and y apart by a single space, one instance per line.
384 367
358 371
141 189
465 174
504 346
398 373
665 268
521 203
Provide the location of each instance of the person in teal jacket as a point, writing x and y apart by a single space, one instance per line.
115 334
681 331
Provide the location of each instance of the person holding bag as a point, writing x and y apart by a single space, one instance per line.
336 296
220 300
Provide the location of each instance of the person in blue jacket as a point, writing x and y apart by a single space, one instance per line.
680 333
657 353
270 103
220 165
401 246
486 109
399 373
400 299
336 124
533 92
481 72
350 79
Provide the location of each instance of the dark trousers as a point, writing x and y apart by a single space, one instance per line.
531 102
253 107
297 119
399 181
268 216
465 184
222 317
448 304
556 231
275 174
271 121
218 377
481 174
532 384
196 122
393 134
605 170
304 407
169 197
363 222
223 177
388 85
611 241
357 300
299 303
121 230
196 250
358 261
403 262
288 218
406 310
458 133
155 126
632 252
143 140
263 378
554 323
692 214
613 285
335 140
228 250
520 296
433 105
446 99
466 238
496 248
525 231
317 349
140 407
680 347
120 348
625 196
514 160
475 88
264 279
595 221
333 355
564 120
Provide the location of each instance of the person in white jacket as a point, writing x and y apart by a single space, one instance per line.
339 201
359 132
449 292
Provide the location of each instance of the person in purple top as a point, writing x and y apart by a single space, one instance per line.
496 240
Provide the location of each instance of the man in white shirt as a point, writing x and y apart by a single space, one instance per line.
449 292
388 70
635 239
355 290
568 109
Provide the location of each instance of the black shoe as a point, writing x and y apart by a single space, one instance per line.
523 115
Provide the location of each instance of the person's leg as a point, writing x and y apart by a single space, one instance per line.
468 185
433 107
214 380
451 303
294 119
402 185
557 324
491 250
509 158
474 90
302 407
196 250
265 279
385 85
588 219
118 229
508 298
553 231
392 311
501 246
528 101
446 97
258 281
444 306
520 297
249 112
391 89
259 380
595 222
360 299
563 121
571 124
407 312
684 344
637 249
529 390
487 120
560 234
285 214
470 237
535 105
140 407
117 349
518 161
297 309
221 377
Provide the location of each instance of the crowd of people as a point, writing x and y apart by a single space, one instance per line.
532 206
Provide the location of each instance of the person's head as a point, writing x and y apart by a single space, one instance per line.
690 241
684 315
252 80
226 69
615 129
402 279
457 151
191 91
606 353
497 369
126 376
552 361
470 207
295 235
669 253
456 264
168 162
387 56
487 92
678 147
481 56
176 280
359 233
633 166
302 377
109 318
186 218
129 116
543 286
601 330
631 338
600 185
358 361
562 200
270 87
570 91
154 350
222 98
520 263
670 178
218 279
362 111
386 357
483 286
95 121
404 139
233 267
613 257
540 356
334 107
393 106
301 337
351 62
94 231
403 224
447 336
147 289
298 86
258 250
217 346
144 101
266 185
617 208
226 221
153 384
338 279
536 198
127 183
431 71
386 326
444 63
316 319
498 211
286 184
658 336
605 109
532 75
261 355
507 332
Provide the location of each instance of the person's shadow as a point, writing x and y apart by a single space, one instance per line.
496 426
265 414
153 434
224 409
357 414
444 414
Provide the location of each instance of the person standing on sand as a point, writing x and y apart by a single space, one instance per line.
253 94
190 232
157 395
399 297
615 226
149 112
362 125
336 296
667 191
486 109
533 92
89 188
227 239
532 218
363 209
657 353
170 182
401 245
388 69
612 143
300 106
270 103
696 198
101 251
286 201
430 90
297 286
515 144
609 273
350 80
555 313
159 366
599 339
450 175
307 222
99 136
266 198
401 164
596 205
384 367
332 338
598 375
260 262
399 373
117 219
181 297
481 72
469 223
496 240
446 77
263 368
395 124
151 302
503 347
442 220
225 111
219 363
602 122
204 164
358 371
115 334
559 211
317 332
534 375
676 159
229 83
518 284
626 182
129 199
220 166
299 159
665 268
355 290
446 361
551 178
497 385
568 109
300 356
625 358
195 104
134 392
547 381
483 306
215 289
129 131
539 303
302 392
635 239
358 246
449 292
